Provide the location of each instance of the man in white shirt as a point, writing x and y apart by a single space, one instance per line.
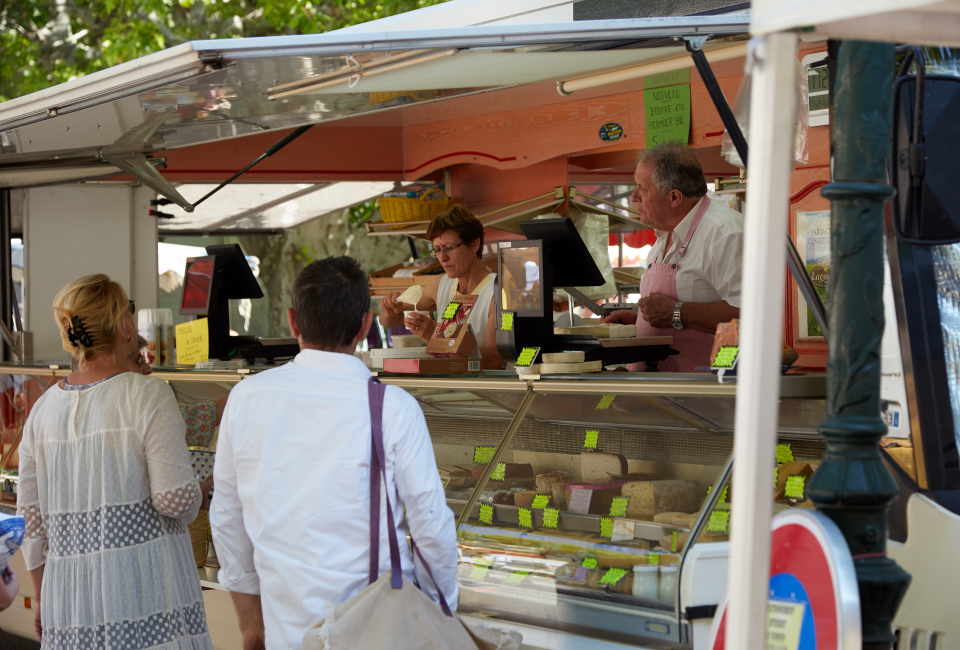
290 515
693 276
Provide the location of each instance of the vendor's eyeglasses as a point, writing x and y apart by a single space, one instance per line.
445 249
132 308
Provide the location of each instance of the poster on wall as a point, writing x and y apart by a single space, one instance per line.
813 244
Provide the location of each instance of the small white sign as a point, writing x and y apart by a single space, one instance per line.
580 501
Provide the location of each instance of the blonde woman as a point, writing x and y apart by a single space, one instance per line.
107 489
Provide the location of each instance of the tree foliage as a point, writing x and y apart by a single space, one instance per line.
47 42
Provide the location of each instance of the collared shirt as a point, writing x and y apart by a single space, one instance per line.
291 504
710 269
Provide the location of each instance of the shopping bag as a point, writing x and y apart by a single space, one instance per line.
391 612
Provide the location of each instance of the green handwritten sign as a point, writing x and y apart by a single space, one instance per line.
653 558
784 454
479 572
540 501
516 577
451 310
500 473
618 507
673 541
483 455
606 527
719 521
506 322
527 355
667 112
591 438
589 563
726 356
612 576
605 402
794 487
526 517
667 79
486 513
551 516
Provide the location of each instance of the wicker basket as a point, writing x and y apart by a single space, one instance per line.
199 529
400 209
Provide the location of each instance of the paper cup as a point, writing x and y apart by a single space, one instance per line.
406 314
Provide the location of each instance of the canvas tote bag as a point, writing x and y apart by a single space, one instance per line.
391 613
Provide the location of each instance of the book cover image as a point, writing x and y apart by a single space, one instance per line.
813 244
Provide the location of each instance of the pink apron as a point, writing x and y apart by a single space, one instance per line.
694 346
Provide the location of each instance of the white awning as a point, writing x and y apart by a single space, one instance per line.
461 13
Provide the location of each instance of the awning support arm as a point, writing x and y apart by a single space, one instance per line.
794 262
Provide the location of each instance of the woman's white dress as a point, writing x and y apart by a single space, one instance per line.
107 489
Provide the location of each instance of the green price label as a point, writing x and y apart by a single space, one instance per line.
726 356
719 521
612 576
516 577
794 487
605 402
723 495
589 563
483 455
551 516
591 438
451 310
506 322
776 476
606 527
500 473
527 355
486 513
673 541
540 501
784 454
526 517
653 558
479 572
618 507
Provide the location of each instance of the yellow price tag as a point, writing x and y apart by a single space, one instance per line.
551 516
526 357
605 402
719 521
193 342
478 572
506 322
776 476
723 495
653 558
483 455
516 577
500 473
589 563
673 541
526 517
795 486
451 310
591 438
606 527
486 513
618 507
540 501
725 357
612 576
784 454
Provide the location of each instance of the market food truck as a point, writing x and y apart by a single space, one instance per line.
537 112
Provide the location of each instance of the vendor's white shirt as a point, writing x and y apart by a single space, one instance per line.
290 512
711 267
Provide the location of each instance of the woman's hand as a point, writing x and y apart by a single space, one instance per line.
37 623
421 325
625 316
9 586
390 309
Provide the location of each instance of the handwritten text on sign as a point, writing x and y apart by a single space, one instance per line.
193 343
667 112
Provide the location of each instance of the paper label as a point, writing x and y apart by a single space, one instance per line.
726 356
653 558
794 487
193 342
526 357
506 322
580 501
667 113
776 476
618 507
723 495
540 501
486 513
605 402
526 517
451 310
667 79
612 576
589 562
516 577
673 541
623 530
551 516
606 527
479 572
719 520
784 621
500 473
784 454
591 438
483 455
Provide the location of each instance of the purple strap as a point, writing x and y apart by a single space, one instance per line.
378 469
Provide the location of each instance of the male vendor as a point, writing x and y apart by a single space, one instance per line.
692 281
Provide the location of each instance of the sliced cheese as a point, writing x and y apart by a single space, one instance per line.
650 498
570 368
564 357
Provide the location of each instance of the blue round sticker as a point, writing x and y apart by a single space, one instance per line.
611 132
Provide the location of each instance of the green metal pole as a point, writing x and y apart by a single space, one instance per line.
852 486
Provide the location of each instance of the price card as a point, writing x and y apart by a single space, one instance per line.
516 577
551 516
726 357
506 321
479 572
591 438
673 541
580 501
612 576
483 455
193 342
451 310
589 562
623 530
527 355
784 454
540 501
719 521
605 402
723 495
486 513
653 558
500 473
795 486
784 622
618 507
776 476
526 517
606 527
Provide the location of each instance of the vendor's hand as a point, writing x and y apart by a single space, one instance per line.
9 586
657 310
625 316
205 487
389 305
421 325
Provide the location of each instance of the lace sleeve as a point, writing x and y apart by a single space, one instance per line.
28 506
181 503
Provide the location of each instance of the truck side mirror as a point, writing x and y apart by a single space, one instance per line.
925 165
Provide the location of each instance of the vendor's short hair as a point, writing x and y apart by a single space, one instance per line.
675 167
330 297
460 220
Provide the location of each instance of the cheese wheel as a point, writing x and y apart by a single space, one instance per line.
597 464
554 484
650 498
564 357
667 517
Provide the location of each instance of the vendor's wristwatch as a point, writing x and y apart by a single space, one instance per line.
676 322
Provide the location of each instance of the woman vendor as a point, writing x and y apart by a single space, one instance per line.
457 238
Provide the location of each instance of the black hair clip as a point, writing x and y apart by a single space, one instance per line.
77 334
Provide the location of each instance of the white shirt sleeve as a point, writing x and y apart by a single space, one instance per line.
234 548
421 491
725 266
34 544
